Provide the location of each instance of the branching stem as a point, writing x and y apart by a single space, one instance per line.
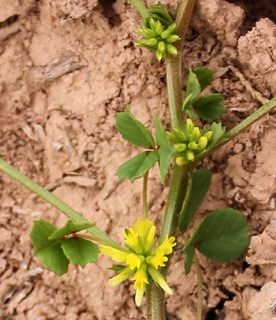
53 200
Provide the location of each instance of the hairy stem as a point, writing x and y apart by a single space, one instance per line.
53 200
145 195
140 7
199 288
155 295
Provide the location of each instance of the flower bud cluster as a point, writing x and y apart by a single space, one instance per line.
189 143
158 39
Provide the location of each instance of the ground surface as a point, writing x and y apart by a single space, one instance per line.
66 68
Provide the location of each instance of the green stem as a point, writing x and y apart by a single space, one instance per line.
155 302
53 200
267 107
174 65
199 288
156 296
140 7
145 195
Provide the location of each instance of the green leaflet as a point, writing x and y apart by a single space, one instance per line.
222 236
137 166
199 183
133 130
209 107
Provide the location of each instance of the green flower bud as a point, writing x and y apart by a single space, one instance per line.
179 134
189 127
159 55
165 34
180 161
208 135
151 42
180 147
152 24
147 33
192 145
172 137
171 49
190 155
202 143
172 38
159 28
195 134
172 28
161 46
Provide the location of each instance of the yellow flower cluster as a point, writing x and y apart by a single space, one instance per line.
189 143
141 259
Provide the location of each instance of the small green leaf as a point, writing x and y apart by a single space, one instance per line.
189 256
137 166
80 251
218 132
133 130
48 251
69 228
165 149
222 236
186 106
193 86
198 185
204 76
209 107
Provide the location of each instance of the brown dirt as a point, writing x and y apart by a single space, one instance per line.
66 67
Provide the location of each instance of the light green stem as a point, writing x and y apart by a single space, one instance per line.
155 295
140 7
199 288
53 200
145 195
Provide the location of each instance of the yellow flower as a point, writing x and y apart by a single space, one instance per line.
141 259
115 254
159 280
141 279
122 276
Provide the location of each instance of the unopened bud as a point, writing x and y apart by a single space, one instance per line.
180 161
195 134
172 28
147 33
202 143
161 46
151 42
189 127
165 34
190 155
192 145
158 55
179 134
159 28
172 38
208 135
180 147
171 49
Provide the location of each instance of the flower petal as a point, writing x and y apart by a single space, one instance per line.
159 280
122 276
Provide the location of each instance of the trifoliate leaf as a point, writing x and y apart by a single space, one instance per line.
204 76
218 132
222 236
133 130
193 86
48 251
80 251
198 185
137 166
165 149
69 228
209 107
